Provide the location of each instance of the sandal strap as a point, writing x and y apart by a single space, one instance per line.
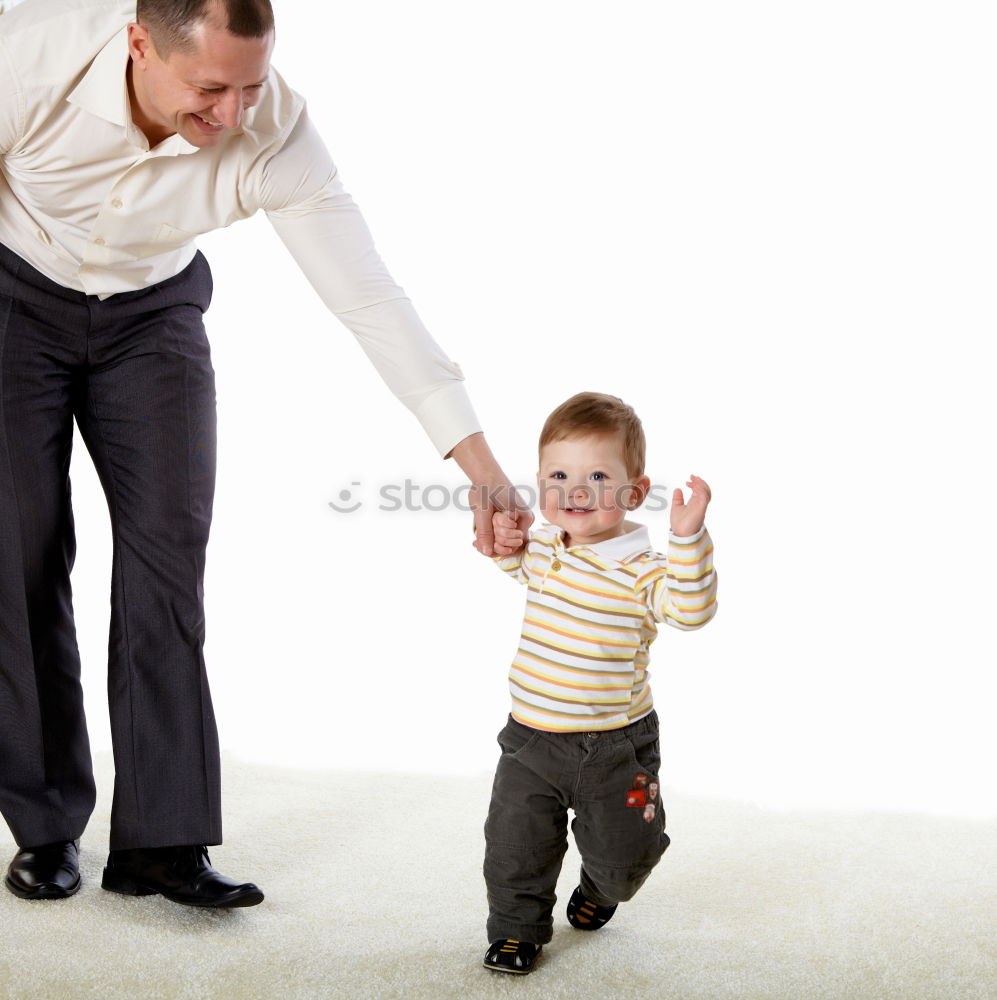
586 915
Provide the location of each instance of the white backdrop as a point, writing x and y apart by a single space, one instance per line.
768 226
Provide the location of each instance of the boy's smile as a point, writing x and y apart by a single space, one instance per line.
585 487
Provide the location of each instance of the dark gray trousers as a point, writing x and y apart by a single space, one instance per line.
610 780
134 371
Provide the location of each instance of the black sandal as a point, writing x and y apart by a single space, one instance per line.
586 915
508 955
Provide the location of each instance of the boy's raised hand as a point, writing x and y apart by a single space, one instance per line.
688 516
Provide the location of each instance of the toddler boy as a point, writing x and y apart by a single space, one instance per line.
583 734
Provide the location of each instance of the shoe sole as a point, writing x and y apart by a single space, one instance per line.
127 886
505 968
47 891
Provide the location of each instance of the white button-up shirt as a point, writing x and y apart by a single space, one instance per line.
84 200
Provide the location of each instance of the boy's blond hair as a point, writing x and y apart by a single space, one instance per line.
596 413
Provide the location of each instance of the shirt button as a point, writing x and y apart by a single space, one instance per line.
99 241
117 203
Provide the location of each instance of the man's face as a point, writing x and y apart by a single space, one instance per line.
198 92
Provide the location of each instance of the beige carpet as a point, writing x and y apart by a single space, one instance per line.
374 891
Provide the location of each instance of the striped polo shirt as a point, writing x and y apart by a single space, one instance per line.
591 616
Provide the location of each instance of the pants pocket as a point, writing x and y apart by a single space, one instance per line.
516 739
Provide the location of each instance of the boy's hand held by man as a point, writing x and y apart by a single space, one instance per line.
509 529
688 516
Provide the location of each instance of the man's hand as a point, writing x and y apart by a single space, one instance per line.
688 517
501 519
490 493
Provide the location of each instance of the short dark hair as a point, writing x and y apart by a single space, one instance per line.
171 22
598 413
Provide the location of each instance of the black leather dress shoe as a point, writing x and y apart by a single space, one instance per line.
51 871
183 874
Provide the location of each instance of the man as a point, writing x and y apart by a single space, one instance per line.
124 133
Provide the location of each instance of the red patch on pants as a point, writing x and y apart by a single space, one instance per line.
638 794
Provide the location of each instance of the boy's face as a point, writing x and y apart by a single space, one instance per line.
585 489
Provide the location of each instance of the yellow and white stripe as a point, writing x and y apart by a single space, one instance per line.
591 615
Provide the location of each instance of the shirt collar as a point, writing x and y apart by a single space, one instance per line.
103 92
622 548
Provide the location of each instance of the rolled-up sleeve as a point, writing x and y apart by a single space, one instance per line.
11 102
325 232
